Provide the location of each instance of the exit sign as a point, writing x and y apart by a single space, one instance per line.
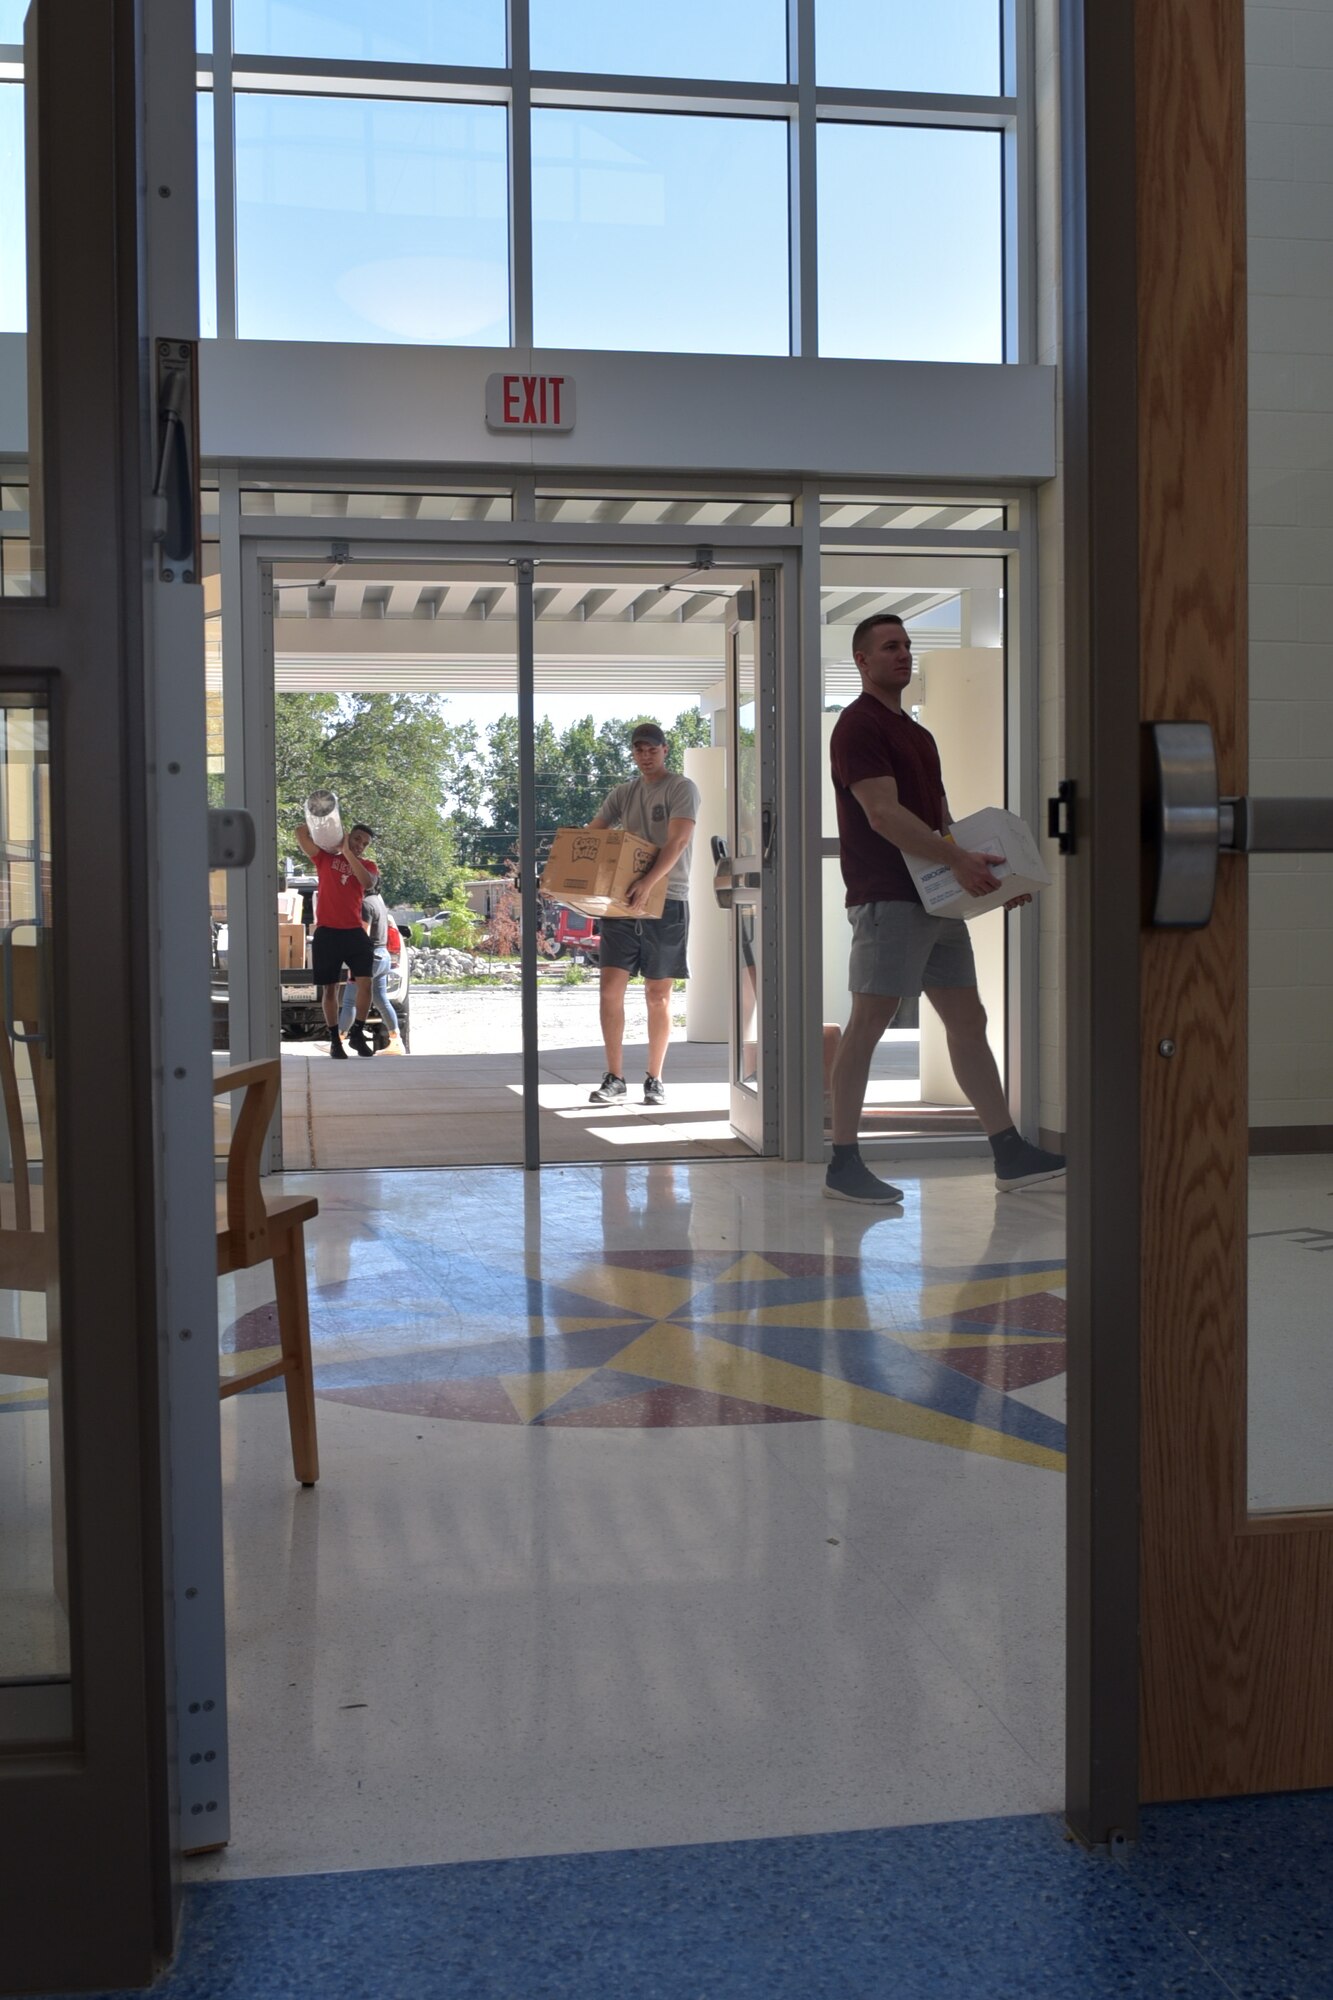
530 402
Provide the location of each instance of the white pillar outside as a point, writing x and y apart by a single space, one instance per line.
707 997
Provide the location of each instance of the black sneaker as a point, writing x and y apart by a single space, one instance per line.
336 1049
360 1040
654 1091
852 1180
1025 1166
611 1090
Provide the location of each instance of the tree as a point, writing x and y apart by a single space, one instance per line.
384 755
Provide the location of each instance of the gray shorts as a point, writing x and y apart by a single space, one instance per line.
898 949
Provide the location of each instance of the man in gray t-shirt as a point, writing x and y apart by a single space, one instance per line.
661 806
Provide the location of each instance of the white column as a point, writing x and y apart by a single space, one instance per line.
708 995
962 705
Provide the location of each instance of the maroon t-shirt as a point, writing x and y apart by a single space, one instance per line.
872 741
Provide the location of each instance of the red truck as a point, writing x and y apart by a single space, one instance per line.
565 930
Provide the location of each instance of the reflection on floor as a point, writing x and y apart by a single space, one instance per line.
659 1504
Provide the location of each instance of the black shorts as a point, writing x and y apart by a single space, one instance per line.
331 950
654 946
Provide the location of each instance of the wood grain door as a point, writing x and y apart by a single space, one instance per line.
1181 554
1236 1596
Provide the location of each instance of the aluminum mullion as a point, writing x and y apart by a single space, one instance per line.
527 850
520 175
804 644
916 107
502 534
224 171
802 196
1019 145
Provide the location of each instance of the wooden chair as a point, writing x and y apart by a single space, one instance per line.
255 1229
250 1228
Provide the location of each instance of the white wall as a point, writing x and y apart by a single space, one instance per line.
1290 171
962 705
321 403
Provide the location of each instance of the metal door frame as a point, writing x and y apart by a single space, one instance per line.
757 1123
89 1818
248 556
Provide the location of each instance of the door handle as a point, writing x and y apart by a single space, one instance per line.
1187 824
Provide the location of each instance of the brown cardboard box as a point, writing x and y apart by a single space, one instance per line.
590 871
291 947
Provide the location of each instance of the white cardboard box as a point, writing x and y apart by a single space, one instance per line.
1021 872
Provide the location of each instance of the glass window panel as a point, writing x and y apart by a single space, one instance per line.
13 235
932 45
659 233
13 13
744 40
380 506
862 511
631 509
918 278
434 31
208 261
363 220
34 1596
203 27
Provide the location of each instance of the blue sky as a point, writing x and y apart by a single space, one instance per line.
387 221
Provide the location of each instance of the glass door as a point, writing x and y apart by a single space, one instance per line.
752 827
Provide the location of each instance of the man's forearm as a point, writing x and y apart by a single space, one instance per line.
911 834
667 857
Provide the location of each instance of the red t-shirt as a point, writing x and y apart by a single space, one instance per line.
872 741
338 894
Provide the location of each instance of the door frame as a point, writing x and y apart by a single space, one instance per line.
89 1817
248 721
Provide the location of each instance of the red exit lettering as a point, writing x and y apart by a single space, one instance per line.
529 402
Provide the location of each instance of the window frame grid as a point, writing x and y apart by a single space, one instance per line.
802 104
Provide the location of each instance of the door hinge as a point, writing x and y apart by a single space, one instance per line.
1060 826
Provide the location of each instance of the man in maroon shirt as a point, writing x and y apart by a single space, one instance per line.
890 796
341 880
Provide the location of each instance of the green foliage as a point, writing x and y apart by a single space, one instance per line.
574 974
384 755
457 932
442 801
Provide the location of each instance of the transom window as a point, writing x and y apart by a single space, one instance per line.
606 174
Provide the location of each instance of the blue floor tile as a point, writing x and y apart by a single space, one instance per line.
1223 1901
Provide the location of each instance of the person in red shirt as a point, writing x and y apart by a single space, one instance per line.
890 797
342 879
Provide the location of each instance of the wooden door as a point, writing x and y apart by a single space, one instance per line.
1235 1606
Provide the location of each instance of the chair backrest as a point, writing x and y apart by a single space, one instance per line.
247 1217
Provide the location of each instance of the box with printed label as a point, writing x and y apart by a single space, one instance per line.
1020 869
590 869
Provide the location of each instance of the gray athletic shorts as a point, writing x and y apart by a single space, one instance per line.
898 949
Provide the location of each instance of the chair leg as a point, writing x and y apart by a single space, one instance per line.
294 1333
